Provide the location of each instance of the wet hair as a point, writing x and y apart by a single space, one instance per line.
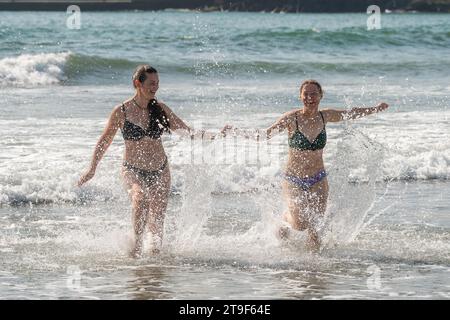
311 81
158 113
141 71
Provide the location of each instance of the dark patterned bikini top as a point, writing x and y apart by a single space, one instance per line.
158 123
300 141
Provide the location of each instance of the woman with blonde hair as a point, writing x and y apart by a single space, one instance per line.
305 184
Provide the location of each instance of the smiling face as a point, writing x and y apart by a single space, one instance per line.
146 81
149 87
310 95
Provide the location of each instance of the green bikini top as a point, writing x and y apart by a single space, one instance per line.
300 141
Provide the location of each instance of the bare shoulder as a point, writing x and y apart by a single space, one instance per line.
118 109
289 116
163 105
332 115
118 114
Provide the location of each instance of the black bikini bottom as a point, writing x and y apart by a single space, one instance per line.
147 177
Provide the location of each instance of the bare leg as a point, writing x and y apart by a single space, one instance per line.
157 204
140 217
317 205
297 205
139 204
304 209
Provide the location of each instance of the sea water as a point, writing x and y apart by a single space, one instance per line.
387 228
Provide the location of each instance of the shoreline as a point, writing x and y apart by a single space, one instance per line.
287 6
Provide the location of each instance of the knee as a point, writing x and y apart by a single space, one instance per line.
157 216
299 225
296 221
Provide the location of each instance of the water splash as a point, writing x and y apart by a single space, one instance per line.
352 178
32 70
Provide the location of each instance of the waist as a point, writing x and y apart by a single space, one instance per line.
143 144
147 155
304 163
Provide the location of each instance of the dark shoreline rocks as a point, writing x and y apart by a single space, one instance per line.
275 6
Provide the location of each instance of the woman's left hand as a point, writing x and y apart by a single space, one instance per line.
225 129
382 106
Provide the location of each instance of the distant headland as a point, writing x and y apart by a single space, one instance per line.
312 6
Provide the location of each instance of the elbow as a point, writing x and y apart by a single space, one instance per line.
343 116
104 143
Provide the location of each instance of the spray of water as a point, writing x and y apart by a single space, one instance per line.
352 178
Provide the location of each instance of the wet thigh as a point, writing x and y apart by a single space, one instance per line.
297 206
133 185
158 193
317 200
319 196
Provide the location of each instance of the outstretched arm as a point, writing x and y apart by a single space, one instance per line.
102 145
180 127
279 126
265 134
332 115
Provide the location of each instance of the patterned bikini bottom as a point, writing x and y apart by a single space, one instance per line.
306 183
147 177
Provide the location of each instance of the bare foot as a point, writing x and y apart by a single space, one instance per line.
136 252
155 244
313 245
283 233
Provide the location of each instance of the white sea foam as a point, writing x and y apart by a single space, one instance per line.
220 226
38 166
33 69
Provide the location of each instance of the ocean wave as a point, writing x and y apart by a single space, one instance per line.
350 36
34 192
67 68
31 189
427 166
30 70
403 147
295 68
78 65
33 70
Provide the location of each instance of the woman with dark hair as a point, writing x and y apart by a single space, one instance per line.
142 120
305 185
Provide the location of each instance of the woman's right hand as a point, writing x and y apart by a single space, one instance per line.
86 177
